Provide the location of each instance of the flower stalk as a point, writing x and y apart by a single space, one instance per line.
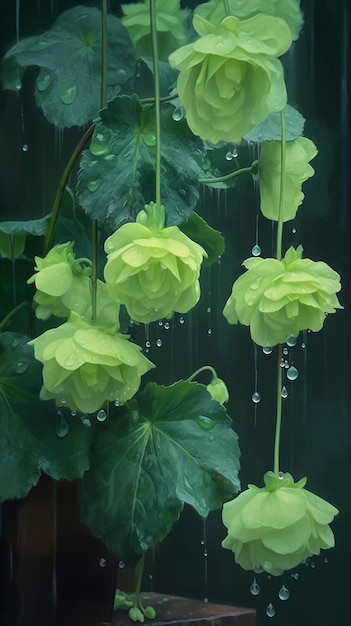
153 25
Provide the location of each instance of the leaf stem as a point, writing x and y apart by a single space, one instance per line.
278 422
12 313
204 368
153 25
164 99
62 185
252 169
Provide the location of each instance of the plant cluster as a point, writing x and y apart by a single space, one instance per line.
215 84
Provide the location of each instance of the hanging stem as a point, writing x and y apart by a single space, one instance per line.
12 313
157 99
282 187
61 188
279 411
222 179
204 368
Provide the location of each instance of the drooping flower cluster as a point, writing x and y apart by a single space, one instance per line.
170 25
86 365
298 153
152 270
278 526
278 299
230 78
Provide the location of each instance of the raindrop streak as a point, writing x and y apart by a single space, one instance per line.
178 114
62 427
17 19
284 593
292 373
101 415
270 610
255 588
205 553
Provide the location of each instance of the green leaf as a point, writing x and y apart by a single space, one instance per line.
31 227
117 175
173 445
270 128
34 435
68 87
210 239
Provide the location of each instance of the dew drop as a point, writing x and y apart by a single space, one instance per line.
22 366
102 562
116 402
62 427
44 81
121 564
313 565
285 351
284 392
209 331
235 153
25 147
167 325
63 401
292 373
284 593
293 230
149 139
69 95
70 360
178 114
73 413
205 422
255 588
295 576
101 415
208 309
99 144
181 320
219 45
94 185
147 344
121 74
86 421
159 343
229 156
270 610
256 250
291 341
303 345
256 398
267 350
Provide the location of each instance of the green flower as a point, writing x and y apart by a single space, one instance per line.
280 298
229 79
278 526
152 270
288 10
297 169
170 27
86 365
218 390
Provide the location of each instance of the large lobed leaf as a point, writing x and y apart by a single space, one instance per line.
270 128
173 445
68 87
117 175
34 435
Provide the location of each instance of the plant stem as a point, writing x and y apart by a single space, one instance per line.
226 7
61 187
204 368
222 179
139 570
282 187
157 100
12 313
104 54
279 411
169 98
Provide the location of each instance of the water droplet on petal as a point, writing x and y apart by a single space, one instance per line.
256 250
178 113
101 415
22 366
255 588
267 350
256 398
291 341
292 373
25 147
44 81
284 593
270 610
102 562
284 392
68 96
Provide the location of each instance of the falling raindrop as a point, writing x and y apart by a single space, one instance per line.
293 230
86 421
181 320
159 343
267 350
284 593
292 373
25 147
102 563
167 325
284 392
255 588
121 564
68 96
313 565
62 427
101 415
18 86
22 366
178 114
73 413
270 610
256 398
148 344
209 331
229 156
291 341
285 351
256 250
295 576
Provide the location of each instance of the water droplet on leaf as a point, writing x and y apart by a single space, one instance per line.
22 366
205 422
149 139
94 185
159 343
68 96
44 81
99 144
